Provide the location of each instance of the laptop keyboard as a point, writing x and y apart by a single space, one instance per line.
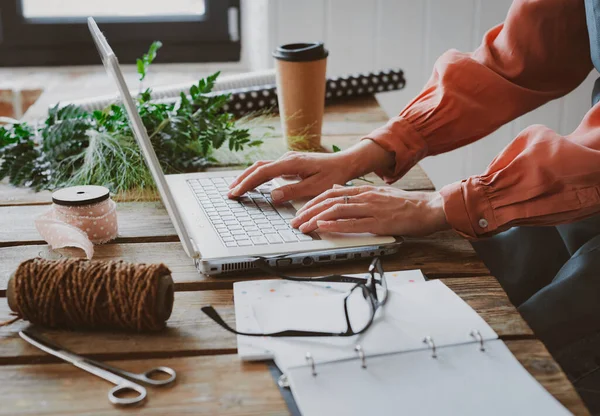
251 220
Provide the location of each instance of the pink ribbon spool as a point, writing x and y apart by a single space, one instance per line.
80 216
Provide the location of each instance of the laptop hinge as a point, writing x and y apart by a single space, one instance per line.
196 254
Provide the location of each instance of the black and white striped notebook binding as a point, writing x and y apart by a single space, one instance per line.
255 92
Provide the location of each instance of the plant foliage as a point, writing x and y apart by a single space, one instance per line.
77 147
144 62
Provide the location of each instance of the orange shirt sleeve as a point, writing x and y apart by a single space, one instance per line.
541 52
541 178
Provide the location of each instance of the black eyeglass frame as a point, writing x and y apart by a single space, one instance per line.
368 288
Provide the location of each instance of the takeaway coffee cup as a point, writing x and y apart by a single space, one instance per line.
300 69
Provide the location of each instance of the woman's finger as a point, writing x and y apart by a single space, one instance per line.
337 212
361 225
305 188
248 171
311 212
264 174
333 193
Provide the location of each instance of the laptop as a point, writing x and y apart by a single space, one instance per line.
223 235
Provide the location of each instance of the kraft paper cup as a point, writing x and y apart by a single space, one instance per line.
301 71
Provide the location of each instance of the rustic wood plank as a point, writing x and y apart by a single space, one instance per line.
359 117
11 195
138 221
206 385
435 257
534 356
415 180
485 295
191 332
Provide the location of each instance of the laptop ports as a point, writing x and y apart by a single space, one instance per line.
283 262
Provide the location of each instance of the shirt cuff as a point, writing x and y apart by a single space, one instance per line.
467 209
399 137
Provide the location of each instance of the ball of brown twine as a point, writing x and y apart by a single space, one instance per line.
83 294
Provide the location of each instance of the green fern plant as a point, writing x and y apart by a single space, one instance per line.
76 147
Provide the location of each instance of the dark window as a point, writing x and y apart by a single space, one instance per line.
54 32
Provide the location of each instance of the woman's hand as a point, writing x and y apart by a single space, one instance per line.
317 171
373 209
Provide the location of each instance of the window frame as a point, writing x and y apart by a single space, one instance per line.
67 41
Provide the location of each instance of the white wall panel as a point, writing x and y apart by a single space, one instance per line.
450 24
577 104
300 21
257 33
400 43
351 36
479 154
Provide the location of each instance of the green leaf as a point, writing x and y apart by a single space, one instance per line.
145 96
21 159
144 63
151 55
194 91
141 68
335 148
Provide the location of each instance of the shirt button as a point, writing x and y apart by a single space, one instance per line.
483 223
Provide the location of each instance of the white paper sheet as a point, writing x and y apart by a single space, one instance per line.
294 313
412 312
461 381
248 294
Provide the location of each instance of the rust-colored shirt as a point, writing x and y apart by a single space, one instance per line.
541 52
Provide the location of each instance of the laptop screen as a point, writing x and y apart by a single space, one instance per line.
112 66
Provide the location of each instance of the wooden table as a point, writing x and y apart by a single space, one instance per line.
211 378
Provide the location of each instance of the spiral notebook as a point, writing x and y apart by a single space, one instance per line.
427 352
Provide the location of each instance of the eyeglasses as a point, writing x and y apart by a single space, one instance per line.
360 303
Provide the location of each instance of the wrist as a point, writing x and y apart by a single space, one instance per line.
437 213
367 156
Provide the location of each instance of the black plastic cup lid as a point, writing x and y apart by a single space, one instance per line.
80 195
301 52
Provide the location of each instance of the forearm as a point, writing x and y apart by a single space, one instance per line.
366 157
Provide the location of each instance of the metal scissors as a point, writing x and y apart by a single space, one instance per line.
120 378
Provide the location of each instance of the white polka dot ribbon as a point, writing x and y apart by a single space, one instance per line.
79 226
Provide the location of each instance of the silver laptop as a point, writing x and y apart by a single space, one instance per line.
223 235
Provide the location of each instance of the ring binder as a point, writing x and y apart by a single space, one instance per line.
283 381
311 360
477 335
361 353
429 341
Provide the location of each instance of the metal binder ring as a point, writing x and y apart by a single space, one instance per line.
477 335
429 341
311 360
361 353
283 381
